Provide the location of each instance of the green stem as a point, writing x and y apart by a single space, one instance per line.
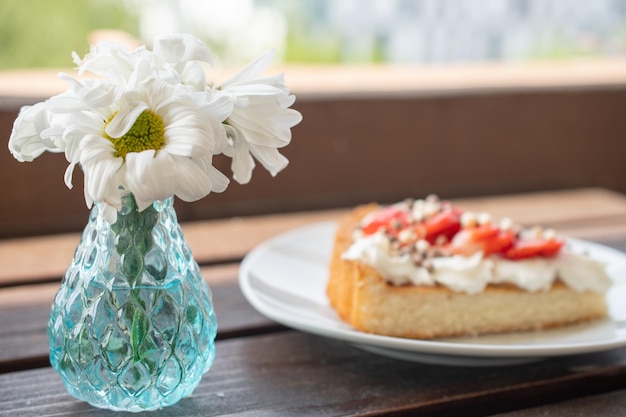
133 240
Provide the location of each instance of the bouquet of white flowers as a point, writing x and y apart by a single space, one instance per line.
150 123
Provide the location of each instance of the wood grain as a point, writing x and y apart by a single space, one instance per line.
588 213
46 258
24 313
381 146
261 368
292 373
611 404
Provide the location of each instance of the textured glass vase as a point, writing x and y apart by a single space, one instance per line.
132 325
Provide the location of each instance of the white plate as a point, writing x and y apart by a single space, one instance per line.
285 279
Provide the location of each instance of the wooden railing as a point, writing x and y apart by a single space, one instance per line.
380 133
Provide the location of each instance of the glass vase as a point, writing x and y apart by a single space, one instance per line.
132 325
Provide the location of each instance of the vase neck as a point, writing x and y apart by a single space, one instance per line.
130 218
129 205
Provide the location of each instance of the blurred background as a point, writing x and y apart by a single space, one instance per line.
325 31
400 98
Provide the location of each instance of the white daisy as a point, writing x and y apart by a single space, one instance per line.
179 58
154 146
261 119
110 60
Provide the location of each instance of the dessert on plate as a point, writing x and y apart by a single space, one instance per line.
427 269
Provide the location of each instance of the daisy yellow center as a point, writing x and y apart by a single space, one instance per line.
146 133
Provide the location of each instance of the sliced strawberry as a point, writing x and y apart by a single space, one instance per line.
499 243
445 223
385 217
488 238
528 248
482 233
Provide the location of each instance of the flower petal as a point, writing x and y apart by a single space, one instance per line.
193 74
150 176
181 47
193 182
107 57
25 142
100 96
124 120
270 158
242 163
252 70
101 172
69 172
193 135
215 104
219 181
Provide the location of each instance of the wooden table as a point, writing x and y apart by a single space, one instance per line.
263 368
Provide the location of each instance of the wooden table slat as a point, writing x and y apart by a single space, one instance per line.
25 310
211 242
293 373
23 329
611 404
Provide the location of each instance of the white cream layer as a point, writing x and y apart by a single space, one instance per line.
472 274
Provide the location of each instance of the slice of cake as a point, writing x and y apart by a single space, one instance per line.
426 269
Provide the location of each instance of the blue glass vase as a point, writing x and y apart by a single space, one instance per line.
132 325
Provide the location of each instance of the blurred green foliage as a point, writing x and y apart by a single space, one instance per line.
43 33
320 50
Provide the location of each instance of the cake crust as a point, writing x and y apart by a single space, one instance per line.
365 300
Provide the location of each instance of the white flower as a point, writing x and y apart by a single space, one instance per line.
261 119
151 124
155 144
110 60
179 58
176 58
26 142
